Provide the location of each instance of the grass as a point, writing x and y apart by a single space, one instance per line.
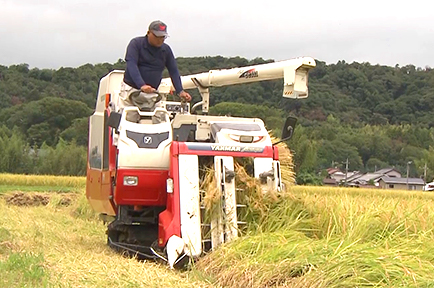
307 237
25 268
58 246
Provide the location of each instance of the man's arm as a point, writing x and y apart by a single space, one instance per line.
173 71
132 59
175 76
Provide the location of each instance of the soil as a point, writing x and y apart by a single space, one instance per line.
34 199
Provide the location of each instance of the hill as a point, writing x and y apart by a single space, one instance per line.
376 116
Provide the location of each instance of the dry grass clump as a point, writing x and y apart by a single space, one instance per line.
250 192
286 163
36 199
212 194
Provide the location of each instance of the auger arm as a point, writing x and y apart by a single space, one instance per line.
293 71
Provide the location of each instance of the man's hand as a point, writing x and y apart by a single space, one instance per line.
148 89
184 95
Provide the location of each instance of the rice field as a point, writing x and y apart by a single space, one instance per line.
41 183
306 237
42 180
333 237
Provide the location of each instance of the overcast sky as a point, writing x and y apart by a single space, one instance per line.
70 33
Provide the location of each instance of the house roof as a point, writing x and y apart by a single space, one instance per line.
396 180
386 170
333 170
359 178
355 175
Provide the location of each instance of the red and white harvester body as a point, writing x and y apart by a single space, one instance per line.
145 167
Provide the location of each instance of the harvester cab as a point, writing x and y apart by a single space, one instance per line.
148 157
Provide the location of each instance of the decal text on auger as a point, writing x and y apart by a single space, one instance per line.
251 73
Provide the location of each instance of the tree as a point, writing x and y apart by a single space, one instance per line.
45 119
375 115
15 155
78 131
273 118
65 159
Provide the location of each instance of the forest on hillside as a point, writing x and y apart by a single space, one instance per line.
375 116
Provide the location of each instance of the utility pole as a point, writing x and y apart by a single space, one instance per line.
346 172
424 175
408 168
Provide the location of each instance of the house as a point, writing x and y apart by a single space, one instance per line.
399 183
369 179
364 179
337 175
387 178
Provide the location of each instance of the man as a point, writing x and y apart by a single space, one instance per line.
146 58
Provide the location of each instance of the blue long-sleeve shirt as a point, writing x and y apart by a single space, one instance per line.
145 64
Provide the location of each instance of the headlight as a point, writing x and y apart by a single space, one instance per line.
169 185
245 138
131 180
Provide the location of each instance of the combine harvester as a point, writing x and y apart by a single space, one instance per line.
146 166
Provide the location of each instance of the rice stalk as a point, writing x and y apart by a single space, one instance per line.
286 162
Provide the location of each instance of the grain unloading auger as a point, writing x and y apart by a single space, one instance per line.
146 165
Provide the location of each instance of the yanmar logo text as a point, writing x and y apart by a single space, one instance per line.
226 148
236 148
251 73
